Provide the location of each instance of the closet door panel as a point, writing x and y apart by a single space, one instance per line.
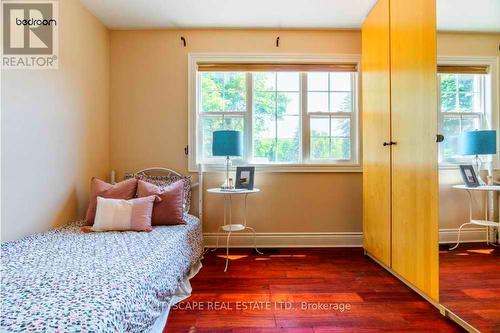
414 157
376 130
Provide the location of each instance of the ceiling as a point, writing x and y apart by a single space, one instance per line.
468 15
453 15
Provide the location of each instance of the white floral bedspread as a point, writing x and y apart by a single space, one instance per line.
64 280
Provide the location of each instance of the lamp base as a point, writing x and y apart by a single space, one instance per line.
487 177
228 184
477 168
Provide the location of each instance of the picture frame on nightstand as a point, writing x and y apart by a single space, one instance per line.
245 177
469 175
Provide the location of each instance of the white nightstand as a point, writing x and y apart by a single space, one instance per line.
485 223
228 226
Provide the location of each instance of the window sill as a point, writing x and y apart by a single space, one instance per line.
456 166
287 168
449 166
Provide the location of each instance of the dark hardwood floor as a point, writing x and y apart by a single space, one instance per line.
302 290
470 284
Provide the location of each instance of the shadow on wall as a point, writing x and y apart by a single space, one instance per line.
453 203
52 216
68 211
292 203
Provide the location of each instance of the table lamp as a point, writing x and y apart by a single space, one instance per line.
227 143
483 142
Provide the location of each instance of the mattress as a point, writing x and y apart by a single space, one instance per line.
64 280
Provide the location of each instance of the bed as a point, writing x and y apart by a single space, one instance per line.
64 280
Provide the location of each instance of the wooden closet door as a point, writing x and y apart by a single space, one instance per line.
376 131
414 157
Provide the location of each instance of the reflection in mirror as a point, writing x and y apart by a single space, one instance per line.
468 96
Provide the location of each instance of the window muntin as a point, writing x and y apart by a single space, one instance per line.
330 109
461 93
276 117
222 105
330 138
329 92
461 109
280 118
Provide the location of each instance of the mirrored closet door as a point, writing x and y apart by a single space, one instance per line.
468 43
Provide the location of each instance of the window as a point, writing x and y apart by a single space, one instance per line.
462 107
468 96
222 105
288 116
276 117
330 111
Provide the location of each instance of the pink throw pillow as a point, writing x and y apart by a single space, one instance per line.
169 210
123 215
98 188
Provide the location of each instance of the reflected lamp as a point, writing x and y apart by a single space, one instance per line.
479 142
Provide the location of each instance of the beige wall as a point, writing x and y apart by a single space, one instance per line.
56 134
468 44
55 128
149 124
453 208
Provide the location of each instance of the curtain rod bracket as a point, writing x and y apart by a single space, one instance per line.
183 41
277 42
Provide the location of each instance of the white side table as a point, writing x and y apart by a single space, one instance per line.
485 223
228 225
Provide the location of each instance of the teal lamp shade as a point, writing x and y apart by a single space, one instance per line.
227 143
478 142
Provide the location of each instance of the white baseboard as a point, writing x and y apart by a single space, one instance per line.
325 239
467 235
287 239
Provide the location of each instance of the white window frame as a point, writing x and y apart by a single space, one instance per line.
241 114
490 118
353 165
353 116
